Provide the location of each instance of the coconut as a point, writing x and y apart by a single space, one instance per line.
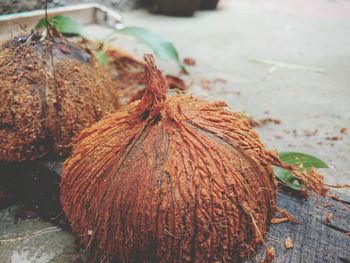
169 179
50 90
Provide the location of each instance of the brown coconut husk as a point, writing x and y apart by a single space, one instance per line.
50 90
170 179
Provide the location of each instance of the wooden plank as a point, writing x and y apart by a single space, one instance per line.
315 240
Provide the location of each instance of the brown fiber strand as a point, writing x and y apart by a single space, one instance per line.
172 179
42 107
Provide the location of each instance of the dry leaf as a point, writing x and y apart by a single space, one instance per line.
174 82
189 61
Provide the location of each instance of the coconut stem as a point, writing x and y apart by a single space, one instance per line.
48 25
46 17
155 91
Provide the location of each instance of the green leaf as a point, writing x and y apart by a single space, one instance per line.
63 24
161 47
41 24
288 179
302 160
101 57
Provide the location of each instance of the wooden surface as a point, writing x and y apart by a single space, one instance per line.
314 240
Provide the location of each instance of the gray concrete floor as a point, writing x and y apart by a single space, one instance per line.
314 33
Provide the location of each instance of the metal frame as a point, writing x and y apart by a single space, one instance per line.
86 13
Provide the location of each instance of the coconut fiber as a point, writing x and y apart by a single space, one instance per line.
169 179
50 90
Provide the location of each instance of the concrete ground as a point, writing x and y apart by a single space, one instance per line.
308 89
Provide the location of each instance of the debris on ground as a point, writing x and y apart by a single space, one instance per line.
337 198
308 133
344 130
225 92
220 80
174 82
205 84
24 213
283 216
270 255
265 121
295 133
333 138
328 218
217 87
326 204
189 61
288 243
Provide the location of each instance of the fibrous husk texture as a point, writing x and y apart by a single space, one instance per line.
50 90
174 179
